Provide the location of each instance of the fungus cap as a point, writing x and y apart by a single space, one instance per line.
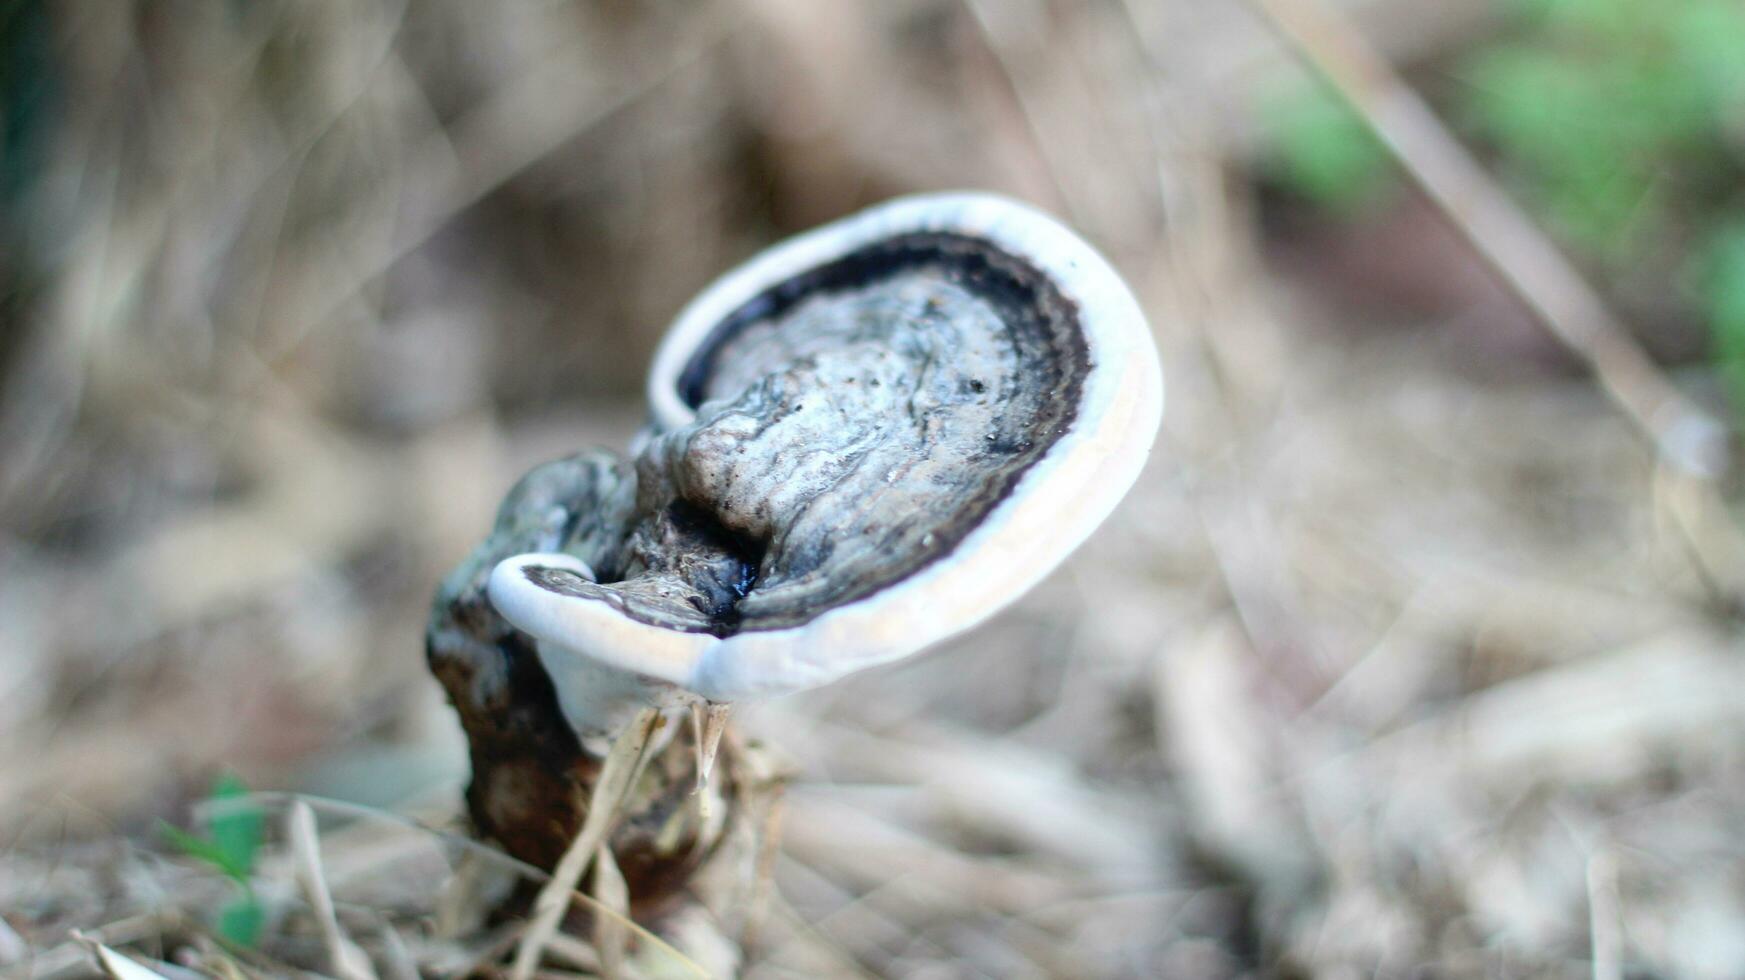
865 440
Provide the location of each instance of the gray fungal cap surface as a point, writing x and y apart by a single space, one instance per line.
866 440
853 425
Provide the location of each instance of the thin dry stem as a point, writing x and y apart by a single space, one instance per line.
623 762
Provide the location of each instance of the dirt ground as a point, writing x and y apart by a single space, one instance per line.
1404 658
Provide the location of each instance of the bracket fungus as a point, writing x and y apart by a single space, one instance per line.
865 440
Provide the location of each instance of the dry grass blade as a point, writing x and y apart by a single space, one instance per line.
1605 717
1602 890
461 908
13 948
1221 748
622 764
763 887
114 965
344 957
610 938
397 960
709 723
225 968
475 848
997 33
67 957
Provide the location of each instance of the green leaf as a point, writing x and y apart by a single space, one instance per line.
1603 20
1531 103
236 828
1597 203
1327 153
1588 126
1724 297
240 921
235 832
195 847
1725 287
1708 38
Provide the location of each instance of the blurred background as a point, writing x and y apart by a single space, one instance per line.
1408 656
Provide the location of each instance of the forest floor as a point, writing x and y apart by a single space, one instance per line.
1406 655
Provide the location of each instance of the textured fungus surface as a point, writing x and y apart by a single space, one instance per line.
532 776
852 425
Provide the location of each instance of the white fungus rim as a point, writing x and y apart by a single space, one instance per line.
1056 503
